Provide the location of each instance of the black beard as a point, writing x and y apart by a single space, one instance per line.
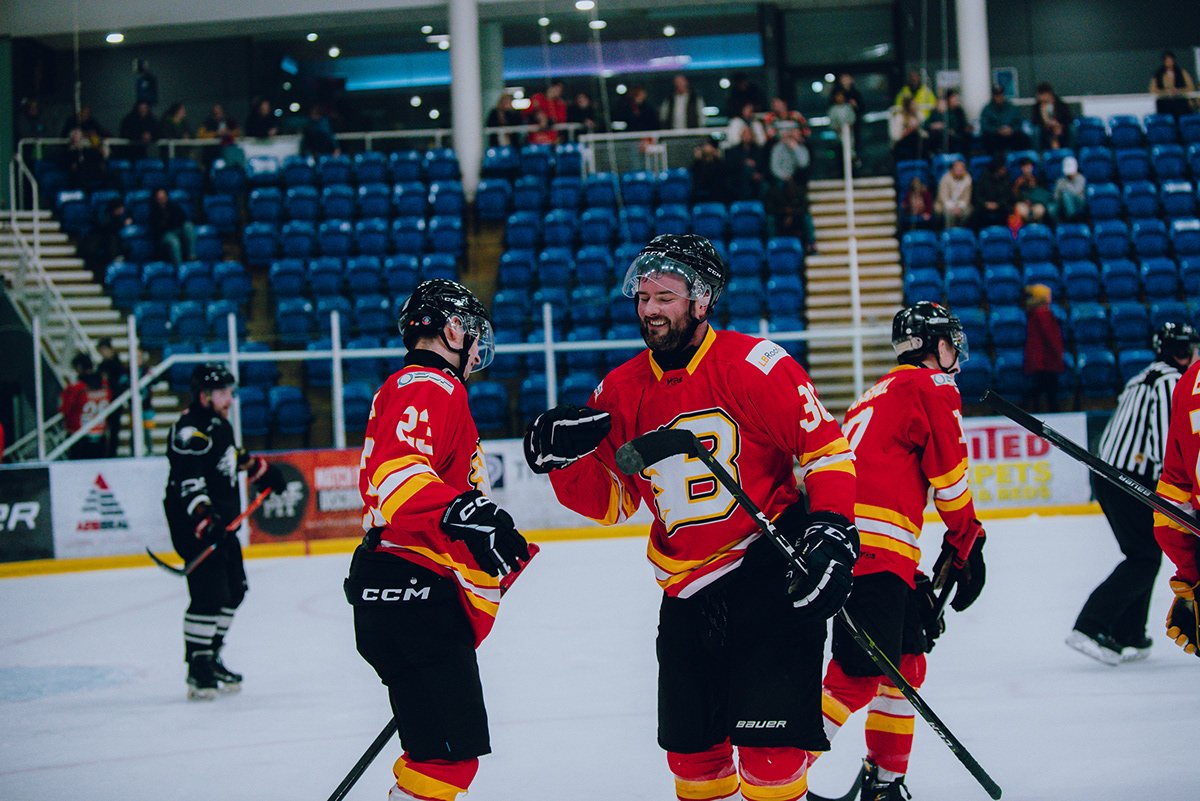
676 338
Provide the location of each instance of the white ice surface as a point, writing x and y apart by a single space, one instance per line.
92 687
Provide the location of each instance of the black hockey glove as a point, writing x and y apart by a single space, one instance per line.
262 475
827 551
925 602
1183 620
558 437
969 575
210 528
488 531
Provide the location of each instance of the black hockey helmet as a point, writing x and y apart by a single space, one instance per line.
691 257
439 301
210 376
1175 341
917 329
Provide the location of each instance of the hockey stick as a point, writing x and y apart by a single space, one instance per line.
632 458
849 795
364 761
234 524
1091 461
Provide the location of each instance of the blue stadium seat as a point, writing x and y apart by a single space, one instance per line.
208 244
136 243
523 230
1178 199
227 178
301 203
577 387
636 225
233 282
1045 273
529 194
410 199
785 293
597 226
594 265
746 257
365 369
1009 373
492 199
1130 324
441 164
975 376
963 286
517 268
446 234
374 200
556 267
672 218
675 185
356 405
196 281
298 171
1097 370
1081 280
747 218
254 412
265 204
1125 130
363 275
1089 324
1160 129
409 235
1104 201
959 247
1168 311
974 323
1096 164
325 306
439 265
160 281
401 272
1002 284
287 278
339 202
600 189
334 238
371 167
589 306
371 237
1193 159
785 255
501 161
710 220
334 170
1052 163
1132 362
622 331
1168 161
559 228
407 166
1120 279
262 170
179 375
907 169
1112 239
507 365
996 245
566 191
151 174
510 309
290 412
297 239
1073 241
1185 237
324 276
560 307
295 321
639 188
187 321
489 405
1149 238
531 396
447 198
1189 130
216 316
1141 199
568 159
1189 275
1006 327
588 360
919 249
221 213
922 283
536 160
622 311
1035 243
1133 165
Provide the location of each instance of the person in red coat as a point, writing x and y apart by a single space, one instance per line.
1043 350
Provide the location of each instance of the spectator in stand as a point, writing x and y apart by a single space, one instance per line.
787 194
905 131
744 120
683 109
1000 125
1169 84
116 377
915 89
102 245
261 122
953 201
219 126
1043 350
503 115
636 114
550 103
583 112
993 197
855 99
542 131
79 404
85 162
1070 193
174 124
141 129
916 209
741 92
947 126
30 124
710 178
781 117
1031 198
746 162
145 85
317 138
171 228
841 114
92 130
1052 118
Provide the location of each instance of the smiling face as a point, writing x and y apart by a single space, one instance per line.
669 320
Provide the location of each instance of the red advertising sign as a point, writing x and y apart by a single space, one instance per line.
321 500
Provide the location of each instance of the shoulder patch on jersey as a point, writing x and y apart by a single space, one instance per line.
765 355
189 439
425 375
944 380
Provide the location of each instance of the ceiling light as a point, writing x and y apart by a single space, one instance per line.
426 29
444 44
115 38
287 86
829 77
434 113
724 83
278 112
544 21
521 103
817 86
621 89
668 30
294 107
597 25
335 51
585 5
555 37
414 101
312 37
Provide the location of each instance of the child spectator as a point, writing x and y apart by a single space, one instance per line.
79 404
1043 350
1030 196
1070 193
916 209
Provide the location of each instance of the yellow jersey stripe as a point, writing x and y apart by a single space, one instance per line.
953 505
844 466
946 479
839 445
391 465
1173 492
885 543
1162 520
405 491
887 516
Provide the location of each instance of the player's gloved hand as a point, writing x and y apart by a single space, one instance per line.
1183 620
925 601
559 436
488 531
969 575
827 550
262 475
210 528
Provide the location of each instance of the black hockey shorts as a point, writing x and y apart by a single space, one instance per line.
219 582
882 605
736 660
409 626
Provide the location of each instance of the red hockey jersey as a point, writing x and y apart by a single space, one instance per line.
420 452
80 403
907 436
756 410
1180 482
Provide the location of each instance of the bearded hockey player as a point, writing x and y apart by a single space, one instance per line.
741 637
202 497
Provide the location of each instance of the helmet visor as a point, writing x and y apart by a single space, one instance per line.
958 338
652 267
481 329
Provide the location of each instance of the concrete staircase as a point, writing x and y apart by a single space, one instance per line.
86 301
828 282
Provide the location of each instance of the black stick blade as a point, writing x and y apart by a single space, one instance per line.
633 456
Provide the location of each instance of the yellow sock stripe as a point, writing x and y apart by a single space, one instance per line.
779 792
707 790
834 709
422 786
877 721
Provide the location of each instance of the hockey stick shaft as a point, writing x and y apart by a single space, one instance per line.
234 524
1091 461
655 445
364 761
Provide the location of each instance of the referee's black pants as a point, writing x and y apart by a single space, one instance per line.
1119 606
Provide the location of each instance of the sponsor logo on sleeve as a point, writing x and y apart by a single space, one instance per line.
765 355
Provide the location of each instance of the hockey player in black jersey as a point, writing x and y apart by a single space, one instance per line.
201 499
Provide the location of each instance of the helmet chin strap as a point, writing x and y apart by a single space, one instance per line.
464 352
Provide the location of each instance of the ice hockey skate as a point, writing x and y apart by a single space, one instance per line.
1100 647
876 789
202 678
229 681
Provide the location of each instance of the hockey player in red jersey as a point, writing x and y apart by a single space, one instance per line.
740 639
907 436
1180 485
426 582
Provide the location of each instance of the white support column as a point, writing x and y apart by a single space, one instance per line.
491 64
137 426
466 100
974 59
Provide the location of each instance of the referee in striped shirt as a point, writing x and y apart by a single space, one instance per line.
1112 624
